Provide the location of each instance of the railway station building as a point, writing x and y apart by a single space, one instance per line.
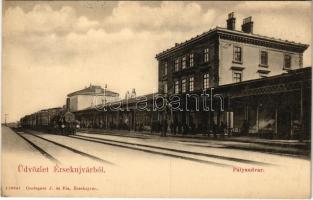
257 85
90 96
229 58
273 107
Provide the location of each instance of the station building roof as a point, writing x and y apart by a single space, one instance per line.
235 34
94 90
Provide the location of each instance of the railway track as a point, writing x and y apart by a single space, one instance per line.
116 134
52 158
199 157
152 151
176 153
43 152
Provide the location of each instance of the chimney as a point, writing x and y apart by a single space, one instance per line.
231 21
247 25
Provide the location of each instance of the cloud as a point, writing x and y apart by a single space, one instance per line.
60 37
174 16
43 19
271 6
83 23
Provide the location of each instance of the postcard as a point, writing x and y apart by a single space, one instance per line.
156 99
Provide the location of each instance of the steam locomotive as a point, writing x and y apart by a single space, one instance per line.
54 120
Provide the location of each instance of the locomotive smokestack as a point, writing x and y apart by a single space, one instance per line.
67 107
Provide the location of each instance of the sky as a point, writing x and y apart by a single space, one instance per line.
53 48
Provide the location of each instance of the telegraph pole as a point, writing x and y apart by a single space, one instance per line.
105 102
5 118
